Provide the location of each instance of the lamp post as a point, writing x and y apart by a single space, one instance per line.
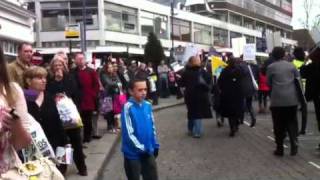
84 20
172 41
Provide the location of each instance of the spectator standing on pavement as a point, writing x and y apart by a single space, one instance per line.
61 81
231 95
311 72
197 88
140 145
119 96
43 108
109 91
88 85
284 101
163 71
21 64
14 136
298 62
152 84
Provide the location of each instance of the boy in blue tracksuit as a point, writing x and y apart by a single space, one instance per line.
139 142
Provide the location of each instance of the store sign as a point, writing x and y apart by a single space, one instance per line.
72 31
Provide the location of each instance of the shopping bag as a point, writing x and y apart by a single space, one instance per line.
40 143
118 102
106 105
64 155
68 112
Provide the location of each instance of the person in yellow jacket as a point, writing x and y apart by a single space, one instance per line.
299 61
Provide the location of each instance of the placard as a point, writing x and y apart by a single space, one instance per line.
249 52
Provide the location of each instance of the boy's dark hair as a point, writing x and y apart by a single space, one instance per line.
278 53
134 81
298 53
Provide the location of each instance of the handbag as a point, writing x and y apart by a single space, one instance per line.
106 105
118 102
40 169
254 82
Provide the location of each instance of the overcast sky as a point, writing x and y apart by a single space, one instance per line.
299 13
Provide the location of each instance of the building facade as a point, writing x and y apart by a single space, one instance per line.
16 26
123 25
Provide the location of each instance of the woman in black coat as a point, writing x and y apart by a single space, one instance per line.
232 99
197 82
61 81
42 107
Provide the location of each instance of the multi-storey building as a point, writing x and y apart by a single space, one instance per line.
16 26
123 25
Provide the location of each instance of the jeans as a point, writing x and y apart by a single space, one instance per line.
195 126
147 167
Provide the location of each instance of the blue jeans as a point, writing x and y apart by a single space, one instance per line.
195 126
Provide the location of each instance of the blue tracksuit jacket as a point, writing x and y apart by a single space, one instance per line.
138 129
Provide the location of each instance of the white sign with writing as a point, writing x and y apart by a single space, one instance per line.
237 46
249 52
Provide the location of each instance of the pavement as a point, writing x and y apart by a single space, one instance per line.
247 156
99 152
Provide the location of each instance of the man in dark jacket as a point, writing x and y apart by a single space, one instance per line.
88 83
311 72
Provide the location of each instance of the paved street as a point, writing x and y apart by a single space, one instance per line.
217 156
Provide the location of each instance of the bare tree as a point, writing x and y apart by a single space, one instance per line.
308 5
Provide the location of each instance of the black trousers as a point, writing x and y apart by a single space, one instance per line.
316 102
304 116
262 97
233 123
110 120
86 117
249 109
146 167
76 143
285 121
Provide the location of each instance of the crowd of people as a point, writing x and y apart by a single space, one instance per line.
123 94
36 88
289 81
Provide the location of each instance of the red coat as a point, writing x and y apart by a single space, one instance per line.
263 85
89 87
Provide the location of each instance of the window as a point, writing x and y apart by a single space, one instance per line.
248 23
154 23
235 19
220 37
119 18
181 30
91 13
56 15
249 39
221 15
234 35
202 34
260 26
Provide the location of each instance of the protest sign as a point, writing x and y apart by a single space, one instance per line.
249 52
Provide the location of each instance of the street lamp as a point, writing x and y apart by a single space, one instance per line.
84 20
172 41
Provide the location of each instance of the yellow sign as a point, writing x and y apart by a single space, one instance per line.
72 31
217 64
